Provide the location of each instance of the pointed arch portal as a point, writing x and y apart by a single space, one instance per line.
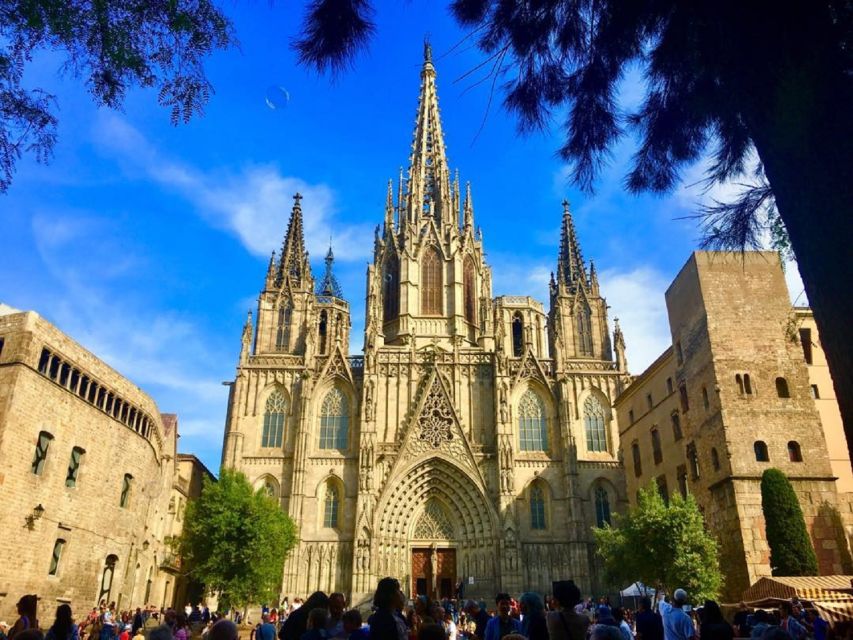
433 525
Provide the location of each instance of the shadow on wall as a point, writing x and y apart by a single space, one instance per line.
830 517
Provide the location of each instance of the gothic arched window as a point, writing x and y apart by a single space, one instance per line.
517 335
273 432
334 420
537 508
107 577
532 426
593 420
432 286
391 289
282 336
323 330
602 507
469 279
584 330
331 506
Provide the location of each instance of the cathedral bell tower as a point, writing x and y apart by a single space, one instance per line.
428 281
578 328
285 305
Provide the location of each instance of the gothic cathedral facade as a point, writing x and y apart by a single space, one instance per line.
473 442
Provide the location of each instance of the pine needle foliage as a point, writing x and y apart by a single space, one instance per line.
235 541
661 544
111 47
791 551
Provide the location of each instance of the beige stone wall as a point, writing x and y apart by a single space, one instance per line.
87 516
745 383
824 399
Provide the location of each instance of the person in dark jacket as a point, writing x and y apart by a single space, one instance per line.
714 625
386 623
297 622
533 625
649 623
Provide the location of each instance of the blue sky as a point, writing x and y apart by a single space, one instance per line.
148 243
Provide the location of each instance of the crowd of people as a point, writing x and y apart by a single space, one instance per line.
564 615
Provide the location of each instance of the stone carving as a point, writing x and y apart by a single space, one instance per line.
433 524
436 418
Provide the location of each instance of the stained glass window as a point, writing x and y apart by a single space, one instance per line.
468 285
532 426
334 420
332 506
391 289
432 288
276 409
537 508
593 419
602 507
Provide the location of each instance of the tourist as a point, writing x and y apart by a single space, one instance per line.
789 623
222 629
318 618
354 627
566 623
27 618
502 624
478 616
386 623
677 625
335 625
760 624
181 627
63 626
432 632
138 621
624 627
450 627
819 626
161 632
605 632
533 625
714 625
266 629
649 623
297 622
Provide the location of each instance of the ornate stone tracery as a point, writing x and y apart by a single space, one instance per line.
433 523
436 418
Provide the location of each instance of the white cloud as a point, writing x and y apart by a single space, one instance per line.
163 352
636 297
254 203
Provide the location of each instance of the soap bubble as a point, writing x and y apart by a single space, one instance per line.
277 97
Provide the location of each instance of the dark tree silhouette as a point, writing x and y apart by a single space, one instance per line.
723 78
111 46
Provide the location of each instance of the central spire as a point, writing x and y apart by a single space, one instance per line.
570 267
429 176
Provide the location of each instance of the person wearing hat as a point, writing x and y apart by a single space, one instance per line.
677 625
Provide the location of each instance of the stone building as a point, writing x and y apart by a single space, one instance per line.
474 437
733 396
88 469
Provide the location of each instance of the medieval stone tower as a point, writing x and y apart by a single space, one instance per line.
473 441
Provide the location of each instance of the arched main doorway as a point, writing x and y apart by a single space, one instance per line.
435 526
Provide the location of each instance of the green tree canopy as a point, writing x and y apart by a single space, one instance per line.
661 544
235 541
791 551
